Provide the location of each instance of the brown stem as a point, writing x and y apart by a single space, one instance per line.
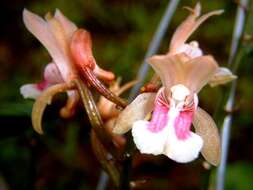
103 157
94 116
92 79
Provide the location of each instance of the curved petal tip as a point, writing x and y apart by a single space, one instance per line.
30 91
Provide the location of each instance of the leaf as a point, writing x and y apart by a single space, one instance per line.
207 129
138 109
223 75
43 100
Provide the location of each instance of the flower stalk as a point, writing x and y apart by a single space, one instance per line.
234 61
94 116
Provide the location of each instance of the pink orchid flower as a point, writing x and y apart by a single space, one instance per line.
183 71
70 49
72 64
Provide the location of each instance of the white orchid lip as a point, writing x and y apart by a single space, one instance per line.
172 138
179 92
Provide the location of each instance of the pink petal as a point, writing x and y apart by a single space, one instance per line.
159 119
81 49
103 74
160 113
201 70
42 85
191 23
52 74
69 27
41 30
180 69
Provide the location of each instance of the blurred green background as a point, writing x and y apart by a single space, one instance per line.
121 32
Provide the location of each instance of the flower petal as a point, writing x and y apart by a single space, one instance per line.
222 76
200 71
180 69
30 91
52 74
69 109
206 128
43 100
103 74
41 30
146 141
191 23
69 27
81 49
136 110
182 151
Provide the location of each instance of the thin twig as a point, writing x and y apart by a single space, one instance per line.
239 25
154 45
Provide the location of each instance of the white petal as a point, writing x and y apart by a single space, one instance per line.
30 91
183 151
146 141
190 50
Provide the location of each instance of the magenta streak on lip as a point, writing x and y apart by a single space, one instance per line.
182 124
159 119
42 85
160 114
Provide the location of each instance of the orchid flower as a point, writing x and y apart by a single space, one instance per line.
183 71
71 51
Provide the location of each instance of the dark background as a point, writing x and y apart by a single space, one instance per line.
121 32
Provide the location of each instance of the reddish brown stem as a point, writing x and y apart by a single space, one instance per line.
92 79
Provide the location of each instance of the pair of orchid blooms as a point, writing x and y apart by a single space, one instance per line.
160 122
